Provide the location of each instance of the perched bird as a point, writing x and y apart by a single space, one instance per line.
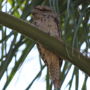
47 21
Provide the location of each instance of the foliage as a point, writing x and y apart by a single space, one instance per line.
74 23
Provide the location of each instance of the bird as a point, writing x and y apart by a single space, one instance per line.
44 18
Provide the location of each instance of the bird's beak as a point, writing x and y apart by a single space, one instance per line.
34 11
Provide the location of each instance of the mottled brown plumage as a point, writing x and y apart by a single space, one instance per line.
47 21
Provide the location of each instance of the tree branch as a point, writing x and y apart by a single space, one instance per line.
58 47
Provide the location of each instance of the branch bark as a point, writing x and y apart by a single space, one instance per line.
58 47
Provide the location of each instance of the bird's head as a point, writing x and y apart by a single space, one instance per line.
40 11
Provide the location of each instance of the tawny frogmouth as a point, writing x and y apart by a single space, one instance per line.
47 21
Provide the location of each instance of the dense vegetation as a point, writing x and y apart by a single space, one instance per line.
74 18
